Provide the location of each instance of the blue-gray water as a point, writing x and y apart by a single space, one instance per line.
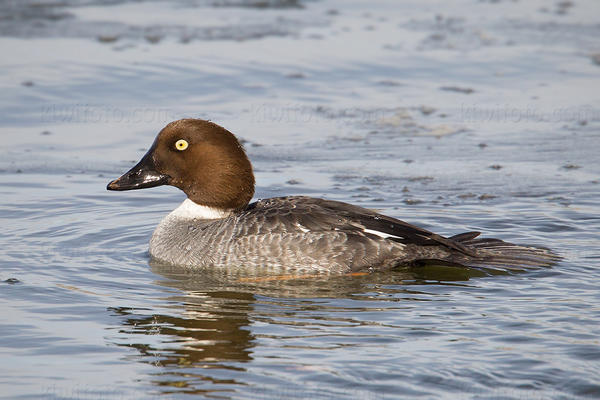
474 115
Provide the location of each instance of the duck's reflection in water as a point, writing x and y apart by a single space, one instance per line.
196 330
199 331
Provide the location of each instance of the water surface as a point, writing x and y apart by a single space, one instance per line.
471 116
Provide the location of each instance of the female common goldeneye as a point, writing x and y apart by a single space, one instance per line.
216 225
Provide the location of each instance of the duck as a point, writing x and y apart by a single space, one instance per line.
219 226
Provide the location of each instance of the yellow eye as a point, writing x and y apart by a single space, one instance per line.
181 145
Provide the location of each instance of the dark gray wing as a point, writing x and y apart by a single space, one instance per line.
299 212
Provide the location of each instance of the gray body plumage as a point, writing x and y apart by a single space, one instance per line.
311 235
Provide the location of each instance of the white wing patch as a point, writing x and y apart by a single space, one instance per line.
303 229
382 234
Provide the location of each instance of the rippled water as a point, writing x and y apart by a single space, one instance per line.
466 116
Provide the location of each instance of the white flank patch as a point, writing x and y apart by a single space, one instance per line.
190 210
381 234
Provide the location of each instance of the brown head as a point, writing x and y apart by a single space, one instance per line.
201 158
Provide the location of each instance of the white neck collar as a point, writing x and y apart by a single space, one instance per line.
190 210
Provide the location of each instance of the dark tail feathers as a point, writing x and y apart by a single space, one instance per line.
501 255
